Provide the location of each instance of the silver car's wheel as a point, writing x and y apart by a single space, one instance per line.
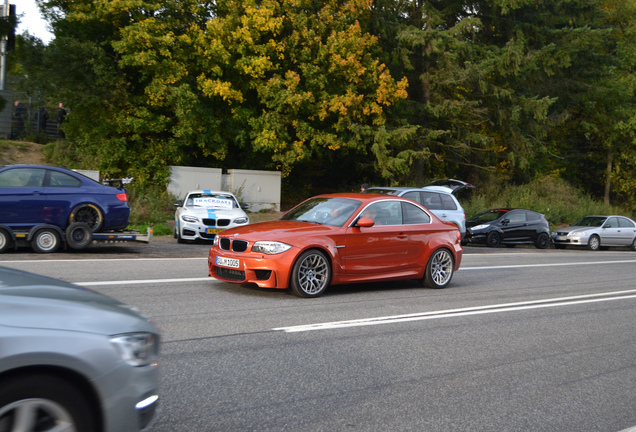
633 245
594 243
439 269
45 404
311 274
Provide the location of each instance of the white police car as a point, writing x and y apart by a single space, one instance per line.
205 213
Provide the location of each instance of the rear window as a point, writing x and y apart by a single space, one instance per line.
448 202
59 179
432 201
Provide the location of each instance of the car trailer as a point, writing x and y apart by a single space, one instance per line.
45 238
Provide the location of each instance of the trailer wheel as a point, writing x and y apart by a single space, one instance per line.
46 240
5 240
89 214
79 236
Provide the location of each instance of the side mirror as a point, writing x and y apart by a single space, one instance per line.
505 221
178 203
365 222
245 206
607 226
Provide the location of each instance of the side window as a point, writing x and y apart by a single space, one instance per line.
625 223
531 216
413 195
448 202
414 215
22 177
611 223
60 179
517 216
432 201
384 213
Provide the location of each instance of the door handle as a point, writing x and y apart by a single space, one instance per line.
402 236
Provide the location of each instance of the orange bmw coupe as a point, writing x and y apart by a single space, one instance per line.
340 239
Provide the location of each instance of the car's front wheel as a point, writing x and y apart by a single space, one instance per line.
311 274
46 240
542 241
44 403
633 245
439 269
493 239
88 214
594 243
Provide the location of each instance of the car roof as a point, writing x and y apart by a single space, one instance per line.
365 197
209 191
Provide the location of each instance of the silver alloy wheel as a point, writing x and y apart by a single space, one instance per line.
441 267
45 414
313 273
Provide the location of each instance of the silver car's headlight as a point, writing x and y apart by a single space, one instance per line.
270 247
577 234
241 220
479 227
136 349
189 218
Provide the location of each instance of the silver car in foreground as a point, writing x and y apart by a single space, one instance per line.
597 232
72 359
205 213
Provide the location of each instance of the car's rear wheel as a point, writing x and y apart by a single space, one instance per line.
88 214
79 236
44 403
439 269
46 240
5 240
633 245
311 274
542 241
594 243
493 239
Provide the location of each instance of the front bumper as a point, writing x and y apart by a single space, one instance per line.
478 238
266 271
198 231
569 240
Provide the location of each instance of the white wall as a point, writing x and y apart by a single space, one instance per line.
259 189
184 179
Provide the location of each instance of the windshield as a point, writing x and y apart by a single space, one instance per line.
324 211
212 200
590 221
488 216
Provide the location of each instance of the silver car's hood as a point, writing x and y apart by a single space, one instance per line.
32 301
569 229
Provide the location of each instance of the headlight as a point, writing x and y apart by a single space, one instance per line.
270 247
136 349
577 234
189 218
215 242
480 227
241 220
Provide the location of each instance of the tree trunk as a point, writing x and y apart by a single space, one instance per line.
608 176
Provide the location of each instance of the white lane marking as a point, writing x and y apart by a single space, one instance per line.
98 260
547 265
451 313
142 281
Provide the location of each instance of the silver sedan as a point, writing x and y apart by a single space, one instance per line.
597 232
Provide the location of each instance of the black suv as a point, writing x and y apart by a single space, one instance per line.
509 227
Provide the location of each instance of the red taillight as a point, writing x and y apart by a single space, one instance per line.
122 197
459 237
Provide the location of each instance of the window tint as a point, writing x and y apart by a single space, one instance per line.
448 202
413 195
22 177
517 216
59 179
432 201
414 215
611 222
531 216
625 223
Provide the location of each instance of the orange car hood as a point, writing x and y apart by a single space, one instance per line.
279 230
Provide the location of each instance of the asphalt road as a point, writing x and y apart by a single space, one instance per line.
522 340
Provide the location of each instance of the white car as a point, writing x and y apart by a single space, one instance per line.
205 213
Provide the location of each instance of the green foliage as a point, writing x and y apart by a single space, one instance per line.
560 202
149 205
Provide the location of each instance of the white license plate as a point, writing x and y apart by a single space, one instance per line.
227 262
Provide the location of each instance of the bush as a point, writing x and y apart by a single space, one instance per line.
560 202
